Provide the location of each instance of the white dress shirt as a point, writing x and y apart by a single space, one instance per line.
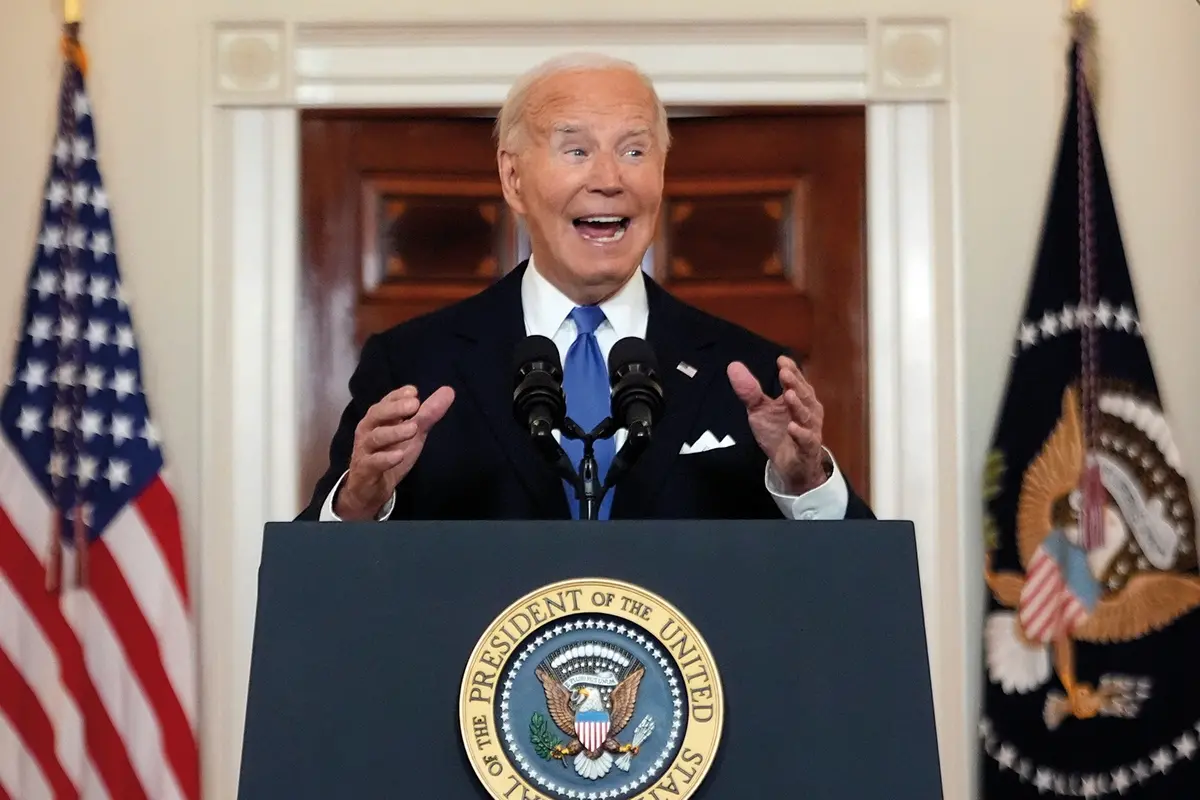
547 313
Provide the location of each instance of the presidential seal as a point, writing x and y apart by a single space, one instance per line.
589 689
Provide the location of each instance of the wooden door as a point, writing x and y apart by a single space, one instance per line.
763 223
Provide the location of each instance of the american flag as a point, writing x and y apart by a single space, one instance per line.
97 653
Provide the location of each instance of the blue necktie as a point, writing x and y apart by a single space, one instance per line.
585 381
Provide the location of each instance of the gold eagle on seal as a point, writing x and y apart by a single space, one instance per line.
582 713
1113 580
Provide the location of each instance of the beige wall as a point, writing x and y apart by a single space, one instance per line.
1008 65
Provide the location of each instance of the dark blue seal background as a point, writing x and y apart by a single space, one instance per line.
655 698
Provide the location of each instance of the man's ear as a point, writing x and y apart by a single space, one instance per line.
510 179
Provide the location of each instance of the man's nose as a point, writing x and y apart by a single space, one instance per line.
605 177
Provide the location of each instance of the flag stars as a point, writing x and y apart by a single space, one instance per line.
1028 335
1185 746
40 329
81 105
62 151
34 375
100 201
68 329
29 421
72 284
119 294
56 195
88 510
1055 323
62 420
59 467
1124 318
51 239
94 379
123 383
98 288
117 473
101 245
1049 325
81 149
64 376
77 237
97 334
46 284
91 424
124 340
150 434
81 193
85 470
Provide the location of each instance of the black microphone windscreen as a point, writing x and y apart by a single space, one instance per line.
535 348
631 350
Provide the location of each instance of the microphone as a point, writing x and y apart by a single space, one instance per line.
637 400
539 403
637 394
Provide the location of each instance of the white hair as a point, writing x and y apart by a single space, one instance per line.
512 114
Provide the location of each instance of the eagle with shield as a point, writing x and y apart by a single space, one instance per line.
1114 572
591 692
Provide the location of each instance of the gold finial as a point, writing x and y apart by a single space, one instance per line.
72 11
1080 6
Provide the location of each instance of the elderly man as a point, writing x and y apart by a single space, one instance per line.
429 432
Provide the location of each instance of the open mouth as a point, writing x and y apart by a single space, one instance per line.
602 228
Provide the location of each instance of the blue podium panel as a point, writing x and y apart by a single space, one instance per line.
368 638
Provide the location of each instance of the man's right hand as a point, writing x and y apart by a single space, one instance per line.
387 442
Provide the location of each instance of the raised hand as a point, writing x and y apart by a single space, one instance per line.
788 427
387 442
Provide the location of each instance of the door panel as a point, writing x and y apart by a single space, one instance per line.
762 224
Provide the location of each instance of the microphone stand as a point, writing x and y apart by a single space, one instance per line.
588 489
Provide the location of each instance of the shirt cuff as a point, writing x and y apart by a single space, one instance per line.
827 501
327 514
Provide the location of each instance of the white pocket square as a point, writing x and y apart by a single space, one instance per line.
706 442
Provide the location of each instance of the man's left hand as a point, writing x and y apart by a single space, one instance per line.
788 427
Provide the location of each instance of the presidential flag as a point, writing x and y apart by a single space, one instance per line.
97 654
1092 623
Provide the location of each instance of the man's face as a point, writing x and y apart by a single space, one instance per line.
587 175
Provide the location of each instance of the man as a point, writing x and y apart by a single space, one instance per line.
429 431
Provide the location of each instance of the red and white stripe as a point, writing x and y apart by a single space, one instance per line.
592 734
98 684
1049 608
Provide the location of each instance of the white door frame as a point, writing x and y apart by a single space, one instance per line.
260 74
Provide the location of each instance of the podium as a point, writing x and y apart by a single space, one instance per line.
423 659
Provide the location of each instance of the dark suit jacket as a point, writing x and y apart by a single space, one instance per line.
479 463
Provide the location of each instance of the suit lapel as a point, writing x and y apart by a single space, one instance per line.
678 338
490 327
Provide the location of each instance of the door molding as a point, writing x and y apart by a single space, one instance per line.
259 75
